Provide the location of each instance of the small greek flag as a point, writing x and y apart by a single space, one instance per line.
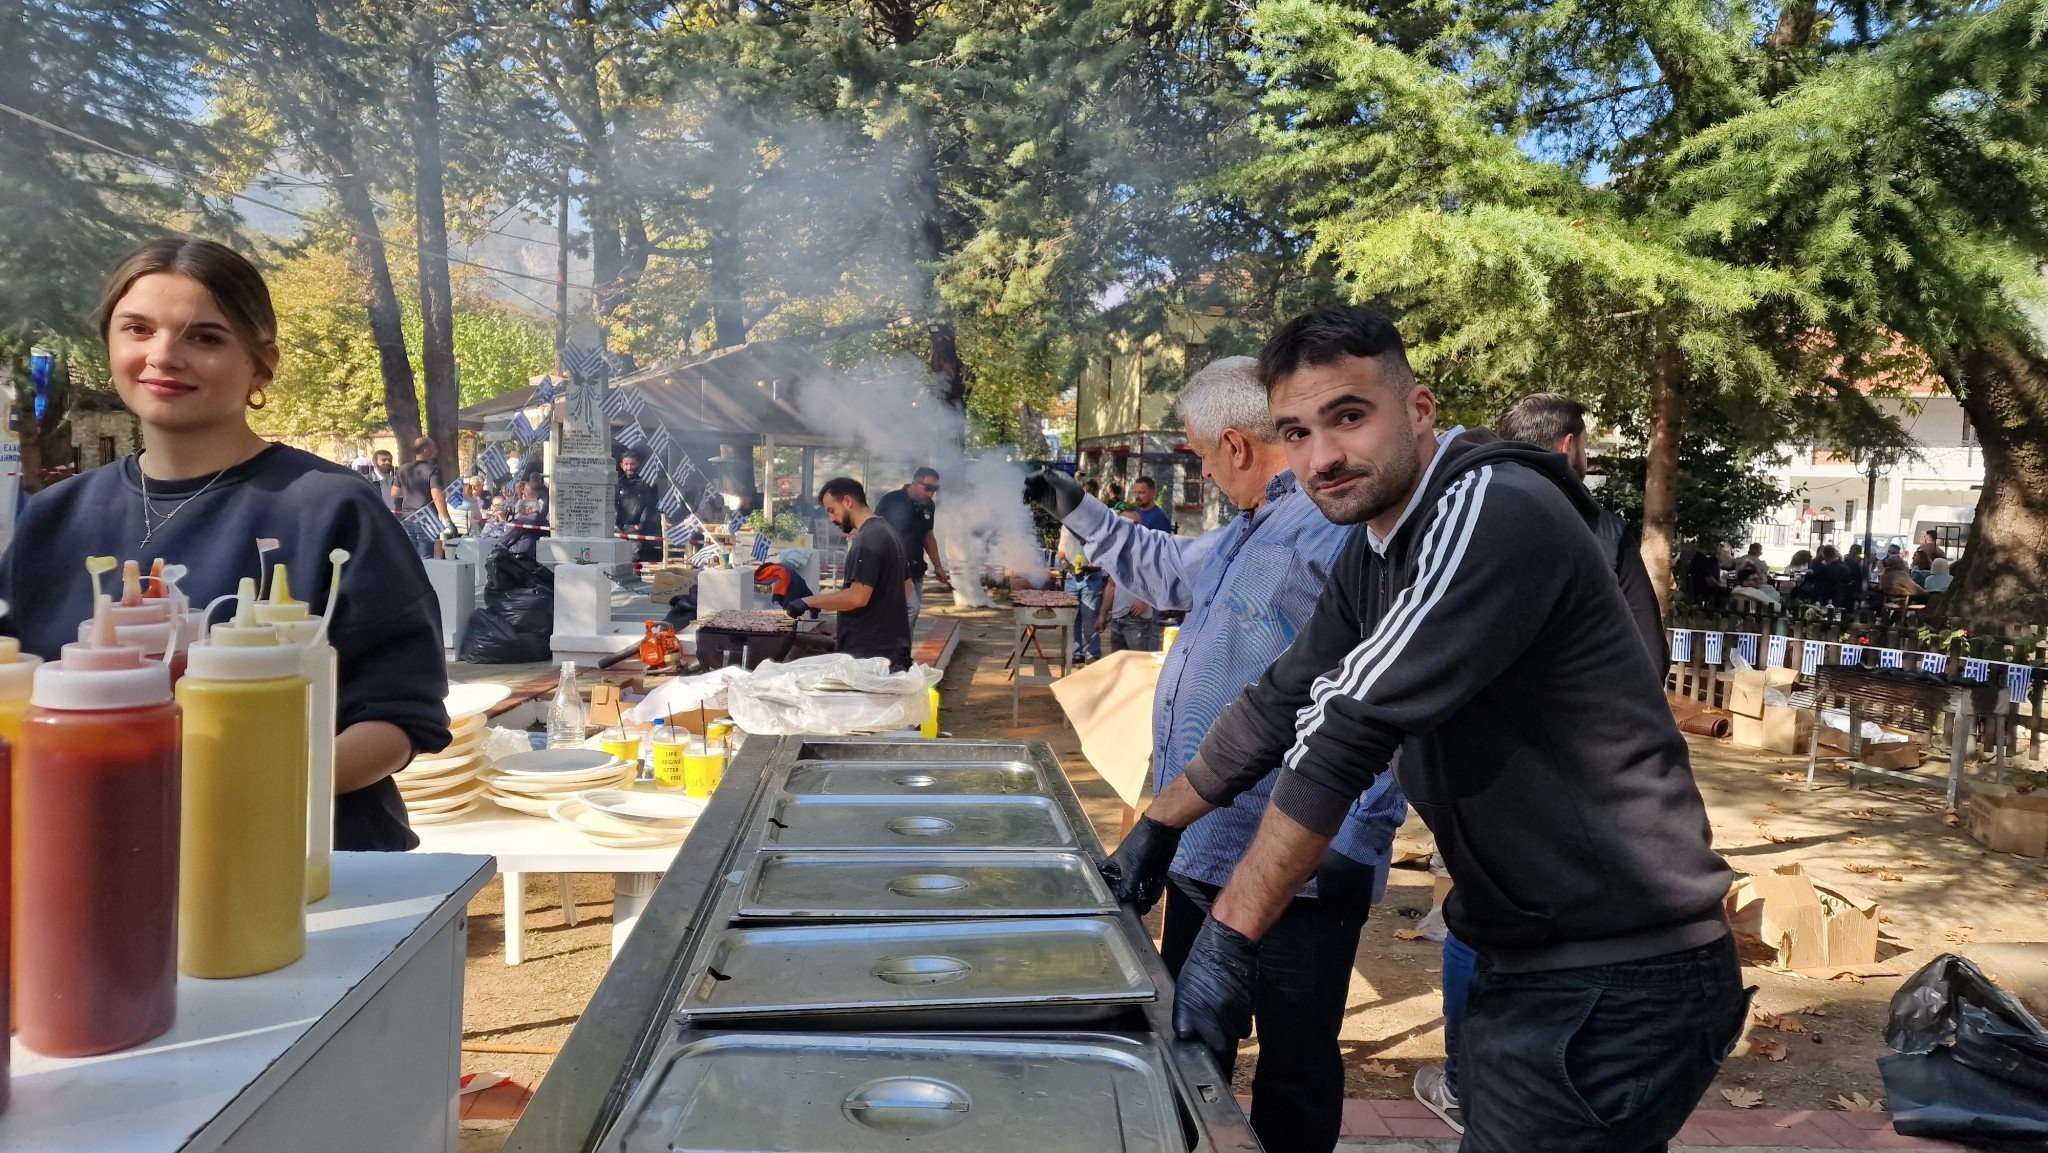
1891 659
1976 670
661 443
652 469
1746 644
1714 643
525 430
684 465
615 404
426 518
633 435
1681 645
1810 655
1933 663
671 502
736 521
2019 681
760 547
679 533
584 361
706 556
1851 655
492 461
545 394
1774 655
634 401
711 492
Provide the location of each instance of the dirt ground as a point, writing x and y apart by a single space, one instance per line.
1937 889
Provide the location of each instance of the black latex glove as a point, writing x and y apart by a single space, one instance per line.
1136 872
1054 491
1212 1000
795 606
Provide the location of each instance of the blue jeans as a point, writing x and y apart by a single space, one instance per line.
1459 960
422 539
1088 589
1138 634
1603 1059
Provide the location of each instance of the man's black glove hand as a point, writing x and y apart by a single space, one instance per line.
1136 872
795 606
1054 491
1212 1000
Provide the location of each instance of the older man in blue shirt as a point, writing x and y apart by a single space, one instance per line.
1249 586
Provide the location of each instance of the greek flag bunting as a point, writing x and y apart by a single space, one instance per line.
1975 669
708 555
760 547
671 502
1681 645
545 394
633 436
679 533
426 518
582 360
1810 656
492 461
1774 655
661 442
1746 644
2019 681
1711 647
615 404
1891 659
522 428
634 401
653 469
1850 655
735 522
711 492
1933 663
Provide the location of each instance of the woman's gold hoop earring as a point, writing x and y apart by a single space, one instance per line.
257 399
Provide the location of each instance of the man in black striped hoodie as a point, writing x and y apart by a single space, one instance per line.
1474 624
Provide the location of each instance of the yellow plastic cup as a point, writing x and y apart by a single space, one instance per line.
1167 636
929 730
720 732
703 767
668 763
621 744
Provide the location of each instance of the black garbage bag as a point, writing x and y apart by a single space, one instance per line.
1971 1063
517 617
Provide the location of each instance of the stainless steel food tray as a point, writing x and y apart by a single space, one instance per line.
841 885
936 822
957 975
915 778
850 1093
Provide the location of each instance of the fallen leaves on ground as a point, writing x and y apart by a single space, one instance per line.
1863 870
1771 1050
1407 934
1382 1069
1777 1023
1867 814
1950 819
1852 978
1959 935
1857 1103
1743 1097
1764 831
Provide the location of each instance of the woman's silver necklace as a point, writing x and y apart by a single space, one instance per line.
149 529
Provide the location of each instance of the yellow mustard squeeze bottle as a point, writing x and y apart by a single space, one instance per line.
17 676
242 868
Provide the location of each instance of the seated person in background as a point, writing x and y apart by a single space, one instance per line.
1703 581
1753 559
1830 580
1800 562
1895 582
524 528
1930 550
1752 589
1939 579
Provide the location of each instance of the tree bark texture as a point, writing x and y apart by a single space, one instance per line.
2005 395
1660 471
437 305
928 248
380 296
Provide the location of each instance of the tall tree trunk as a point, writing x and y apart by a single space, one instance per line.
372 263
727 280
619 248
928 248
1660 471
2005 396
437 305
562 273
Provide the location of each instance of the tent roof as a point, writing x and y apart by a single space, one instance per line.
738 395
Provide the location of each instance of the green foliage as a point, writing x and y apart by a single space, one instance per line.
1723 482
786 526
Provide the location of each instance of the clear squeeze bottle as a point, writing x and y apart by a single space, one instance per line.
146 619
98 943
17 674
242 875
297 626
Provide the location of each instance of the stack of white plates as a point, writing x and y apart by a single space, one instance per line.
535 782
443 786
628 818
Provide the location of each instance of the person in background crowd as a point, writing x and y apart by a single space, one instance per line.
1703 582
1127 621
526 520
1531 730
1724 555
1938 578
385 477
1087 584
1753 588
1145 502
1890 551
420 487
637 508
873 609
1114 498
1831 580
1930 550
459 508
1753 559
912 511
1797 566
1250 588
1895 583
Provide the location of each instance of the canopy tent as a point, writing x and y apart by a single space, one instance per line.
743 395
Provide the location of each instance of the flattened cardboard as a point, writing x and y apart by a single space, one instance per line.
2005 821
1816 930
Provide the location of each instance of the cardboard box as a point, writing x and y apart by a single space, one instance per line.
1813 928
1900 754
1756 725
671 579
1746 688
2006 821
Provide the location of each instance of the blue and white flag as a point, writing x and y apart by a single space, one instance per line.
492 461
1681 645
736 522
428 519
652 469
679 533
760 547
671 502
1774 654
684 465
1711 647
1933 663
707 556
661 443
1975 669
615 404
2019 681
1891 659
633 436
545 394
522 428
1851 655
582 360
711 493
1811 654
1746 644
634 401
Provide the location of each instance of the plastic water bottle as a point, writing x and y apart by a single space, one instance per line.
566 715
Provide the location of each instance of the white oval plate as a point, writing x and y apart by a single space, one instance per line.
422 768
556 762
602 830
444 816
561 785
474 697
460 727
443 804
658 810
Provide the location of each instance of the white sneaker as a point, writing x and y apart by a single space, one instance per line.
1437 1096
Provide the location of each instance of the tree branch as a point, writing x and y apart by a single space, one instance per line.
1616 94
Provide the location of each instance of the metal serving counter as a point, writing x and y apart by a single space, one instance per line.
881 944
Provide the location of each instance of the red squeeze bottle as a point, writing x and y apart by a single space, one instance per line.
99 754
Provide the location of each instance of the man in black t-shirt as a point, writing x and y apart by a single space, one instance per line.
873 608
911 511
638 508
419 486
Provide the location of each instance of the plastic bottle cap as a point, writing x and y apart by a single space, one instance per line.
17 670
98 674
143 612
242 649
153 639
279 607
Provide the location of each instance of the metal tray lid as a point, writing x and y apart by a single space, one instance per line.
915 778
803 885
891 966
871 1093
935 822
899 751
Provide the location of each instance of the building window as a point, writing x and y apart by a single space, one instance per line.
107 450
1191 486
